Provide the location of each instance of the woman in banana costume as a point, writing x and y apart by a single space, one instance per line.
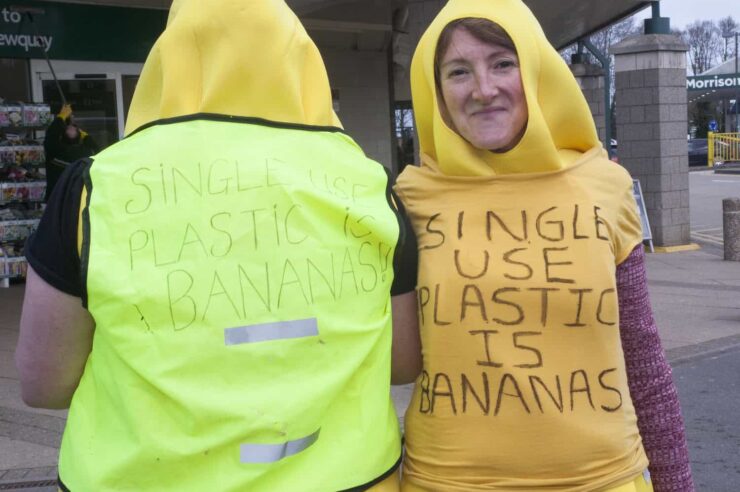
542 366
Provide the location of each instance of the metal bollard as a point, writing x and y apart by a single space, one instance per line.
731 226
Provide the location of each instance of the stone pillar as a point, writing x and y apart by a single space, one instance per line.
731 228
591 79
651 114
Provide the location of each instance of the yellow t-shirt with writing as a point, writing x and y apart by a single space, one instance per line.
524 384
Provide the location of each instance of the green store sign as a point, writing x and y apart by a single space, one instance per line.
704 82
77 32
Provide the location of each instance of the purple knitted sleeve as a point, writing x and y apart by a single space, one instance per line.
650 381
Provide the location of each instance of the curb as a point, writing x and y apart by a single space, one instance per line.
690 353
29 479
677 249
733 168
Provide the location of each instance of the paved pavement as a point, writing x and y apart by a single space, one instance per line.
696 299
707 191
710 397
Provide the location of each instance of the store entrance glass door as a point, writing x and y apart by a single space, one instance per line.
94 103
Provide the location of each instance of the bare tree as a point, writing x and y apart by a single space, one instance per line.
705 45
603 39
615 33
727 26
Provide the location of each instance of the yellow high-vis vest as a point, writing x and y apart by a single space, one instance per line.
238 272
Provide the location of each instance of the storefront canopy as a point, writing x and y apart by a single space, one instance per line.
564 21
721 82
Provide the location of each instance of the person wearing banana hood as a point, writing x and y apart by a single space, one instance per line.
234 254
542 367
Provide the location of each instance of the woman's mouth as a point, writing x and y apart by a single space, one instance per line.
489 111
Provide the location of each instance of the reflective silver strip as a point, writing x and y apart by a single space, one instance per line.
270 453
280 330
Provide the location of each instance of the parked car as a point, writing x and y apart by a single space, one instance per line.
698 152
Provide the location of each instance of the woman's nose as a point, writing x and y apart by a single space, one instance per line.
485 88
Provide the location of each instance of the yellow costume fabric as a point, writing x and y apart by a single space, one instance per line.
639 484
524 384
233 57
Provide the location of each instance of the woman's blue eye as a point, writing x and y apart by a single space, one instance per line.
456 72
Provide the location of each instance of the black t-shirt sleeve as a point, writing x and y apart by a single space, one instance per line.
52 250
406 258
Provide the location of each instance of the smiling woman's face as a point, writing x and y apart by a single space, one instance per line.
482 92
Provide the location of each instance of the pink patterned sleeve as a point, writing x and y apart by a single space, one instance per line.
650 381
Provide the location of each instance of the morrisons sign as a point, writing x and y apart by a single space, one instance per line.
704 82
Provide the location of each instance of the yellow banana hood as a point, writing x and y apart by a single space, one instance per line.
560 126
233 57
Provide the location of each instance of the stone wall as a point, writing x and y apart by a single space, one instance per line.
591 80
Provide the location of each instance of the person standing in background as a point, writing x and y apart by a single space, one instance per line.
64 144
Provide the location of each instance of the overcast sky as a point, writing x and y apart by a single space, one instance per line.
682 12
